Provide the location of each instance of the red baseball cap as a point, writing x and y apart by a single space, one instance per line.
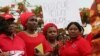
7 16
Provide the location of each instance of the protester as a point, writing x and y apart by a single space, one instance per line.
94 20
50 31
77 45
31 37
10 43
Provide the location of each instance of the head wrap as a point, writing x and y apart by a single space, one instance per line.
48 26
24 17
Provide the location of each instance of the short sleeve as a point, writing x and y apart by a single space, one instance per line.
84 47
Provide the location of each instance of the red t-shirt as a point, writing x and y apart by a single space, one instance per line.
15 46
32 42
89 37
78 47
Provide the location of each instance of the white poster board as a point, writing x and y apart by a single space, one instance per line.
60 12
55 12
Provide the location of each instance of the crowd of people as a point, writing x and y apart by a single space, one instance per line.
30 41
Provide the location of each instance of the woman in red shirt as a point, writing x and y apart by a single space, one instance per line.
50 31
10 43
31 37
77 45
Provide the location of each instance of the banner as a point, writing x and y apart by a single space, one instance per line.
60 12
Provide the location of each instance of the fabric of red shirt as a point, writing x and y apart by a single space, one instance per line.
89 37
78 47
32 42
12 45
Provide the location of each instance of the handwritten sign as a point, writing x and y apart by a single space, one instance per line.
60 12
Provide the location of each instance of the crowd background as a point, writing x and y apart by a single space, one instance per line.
69 41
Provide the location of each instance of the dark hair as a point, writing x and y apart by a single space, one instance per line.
10 20
75 23
82 29
3 25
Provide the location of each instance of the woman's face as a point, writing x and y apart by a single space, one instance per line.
73 31
51 33
32 23
12 28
